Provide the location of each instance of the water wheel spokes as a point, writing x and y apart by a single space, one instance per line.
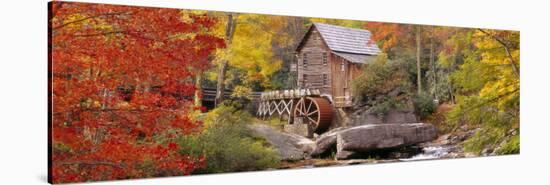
315 111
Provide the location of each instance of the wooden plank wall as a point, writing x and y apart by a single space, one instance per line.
314 48
340 83
342 87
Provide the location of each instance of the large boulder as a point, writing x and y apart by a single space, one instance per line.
365 138
325 142
290 146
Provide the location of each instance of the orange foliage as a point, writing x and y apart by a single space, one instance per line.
389 35
121 77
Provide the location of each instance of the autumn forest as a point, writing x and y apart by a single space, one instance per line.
128 89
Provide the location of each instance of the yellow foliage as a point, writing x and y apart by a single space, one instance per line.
505 87
250 49
489 84
241 92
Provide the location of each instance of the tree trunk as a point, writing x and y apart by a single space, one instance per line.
432 63
451 94
418 70
220 86
198 89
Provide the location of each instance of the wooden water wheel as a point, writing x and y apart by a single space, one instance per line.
315 111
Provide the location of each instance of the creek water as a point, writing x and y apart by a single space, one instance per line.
430 152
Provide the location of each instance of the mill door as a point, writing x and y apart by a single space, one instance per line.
340 83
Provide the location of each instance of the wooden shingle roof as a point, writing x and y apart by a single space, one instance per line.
356 58
348 40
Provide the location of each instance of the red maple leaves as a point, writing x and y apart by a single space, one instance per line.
390 34
122 78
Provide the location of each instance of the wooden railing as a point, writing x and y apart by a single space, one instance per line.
342 101
289 94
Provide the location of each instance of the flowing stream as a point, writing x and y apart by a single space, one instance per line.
430 152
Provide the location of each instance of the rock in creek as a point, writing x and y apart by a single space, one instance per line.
366 138
325 142
290 146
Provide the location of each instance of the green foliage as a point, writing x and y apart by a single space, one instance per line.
482 112
423 105
227 145
494 138
386 105
482 139
284 79
488 88
511 146
379 78
191 145
230 112
276 122
473 75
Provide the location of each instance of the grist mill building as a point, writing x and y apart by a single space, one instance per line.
329 57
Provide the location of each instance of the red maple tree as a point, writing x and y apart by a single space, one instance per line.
121 81
390 34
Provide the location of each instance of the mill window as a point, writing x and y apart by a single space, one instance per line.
325 79
325 58
304 60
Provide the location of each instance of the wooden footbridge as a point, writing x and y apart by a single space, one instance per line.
306 106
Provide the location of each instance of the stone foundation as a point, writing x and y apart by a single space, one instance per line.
299 128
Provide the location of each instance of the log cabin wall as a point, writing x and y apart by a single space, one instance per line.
339 84
343 73
314 64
